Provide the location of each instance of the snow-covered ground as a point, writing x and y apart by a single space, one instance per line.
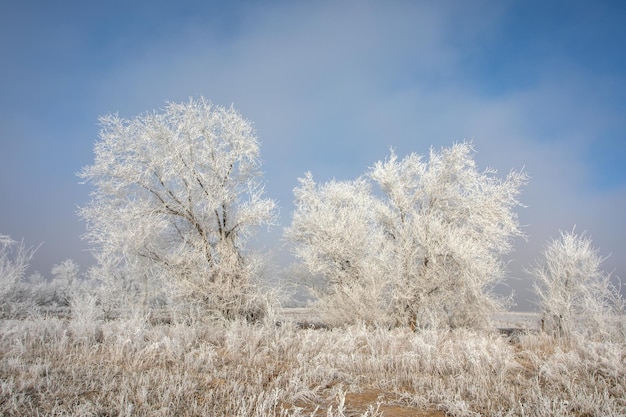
517 320
507 320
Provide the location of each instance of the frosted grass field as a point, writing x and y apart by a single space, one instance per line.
84 366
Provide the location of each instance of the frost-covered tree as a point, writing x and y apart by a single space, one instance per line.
14 262
433 239
66 281
575 295
176 195
449 225
338 238
66 272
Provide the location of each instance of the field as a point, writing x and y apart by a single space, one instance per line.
131 367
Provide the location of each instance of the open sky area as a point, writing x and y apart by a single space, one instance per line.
330 87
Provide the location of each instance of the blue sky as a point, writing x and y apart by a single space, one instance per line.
330 86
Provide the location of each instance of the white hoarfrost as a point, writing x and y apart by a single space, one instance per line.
338 237
14 262
575 296
424 252
176 195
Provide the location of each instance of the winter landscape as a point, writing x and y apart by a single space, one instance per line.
334 208
174 319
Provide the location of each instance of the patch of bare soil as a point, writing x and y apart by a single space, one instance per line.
358 403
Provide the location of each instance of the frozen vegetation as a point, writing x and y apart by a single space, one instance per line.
412 242
174 319
124 367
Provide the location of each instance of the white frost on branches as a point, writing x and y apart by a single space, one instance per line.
14 262
176 195
431 245
338 236
575 296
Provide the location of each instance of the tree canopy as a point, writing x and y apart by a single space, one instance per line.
430 243
176 195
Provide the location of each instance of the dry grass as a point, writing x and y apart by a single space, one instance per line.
50 366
